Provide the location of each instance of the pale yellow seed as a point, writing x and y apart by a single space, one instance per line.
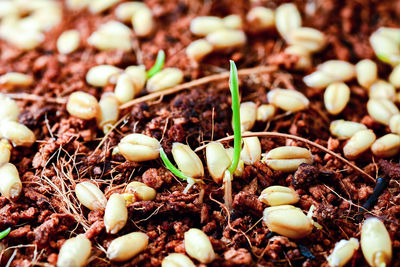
343 252
127 246
240 167
177 260
385 48
98 6
24 38
83 105
367 72
336 97
382 89
111 35
386 146
261 18
139 147
198 246
359 143
394 77
251 150
90 196
339 70
226 38
345 129
279 195
265 112
288 100
394 124
309 38
138 77
318 79
15 79
74 252
381 110
248 115
68 42
5 151
392 33
287 19
232 22
77 4
8 8
288 221
141 191
124 89
102 75
375 243
304 61
17 133
164 79
287 158
9 109
116 214
125 11
142 22
109 111
198 49
205 25
217 160
10 185
188 161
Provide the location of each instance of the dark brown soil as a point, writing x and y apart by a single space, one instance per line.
47 213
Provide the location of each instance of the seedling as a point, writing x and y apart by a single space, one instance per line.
158 65
5 233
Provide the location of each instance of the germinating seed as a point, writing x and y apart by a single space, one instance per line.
288 221
217 160
287 19
394 124
116 214
226 38
17 133
375 243
10 185
140 191
304 60
138 77
15 79
279 195
111 35
339 70
205 25
74 252
386 146
336 97
345 129
90 196
177 260
102 75
382 89
248 115
188 161
343 252
265 112
9 109
164 79
142 22
318 79
392 33
288 100
198 49
83 105
198 246
367 72
239 169
381 110
109 111
261 18
5 151
98 6
359 143
127 246
287 158
385 48
124 89
232 22
68 42
309 38
251 150
126 10
139 147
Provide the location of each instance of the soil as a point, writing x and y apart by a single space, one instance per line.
67 152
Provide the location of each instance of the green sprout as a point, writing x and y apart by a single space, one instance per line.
5 233
237 141
157 65
168 164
